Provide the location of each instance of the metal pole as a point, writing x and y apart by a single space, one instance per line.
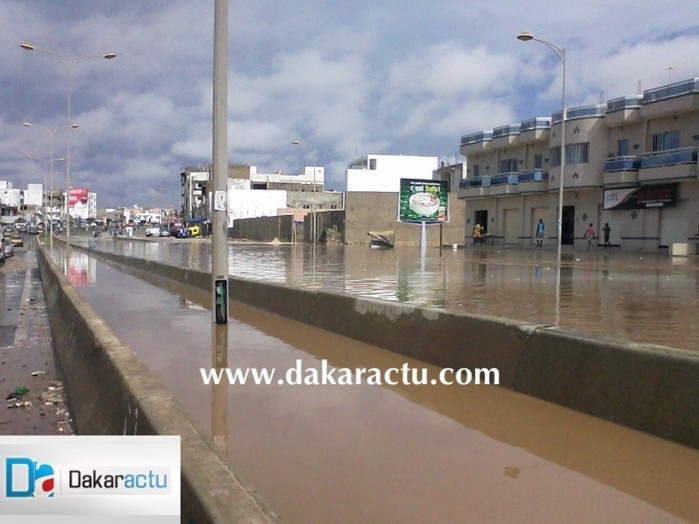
70 96
314 198
563 158
219 240
561 54
51 195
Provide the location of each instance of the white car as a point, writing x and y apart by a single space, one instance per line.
153 232
8 248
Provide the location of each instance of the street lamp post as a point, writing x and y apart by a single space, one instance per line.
70 63
313 204
561 54
52 133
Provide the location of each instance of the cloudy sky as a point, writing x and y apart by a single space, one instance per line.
348 78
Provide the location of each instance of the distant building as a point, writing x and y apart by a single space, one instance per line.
253 194
382 173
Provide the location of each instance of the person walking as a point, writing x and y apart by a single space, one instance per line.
540 233
590 235
606 230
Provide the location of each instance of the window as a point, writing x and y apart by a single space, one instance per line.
538 161
555 156
622 147
665 141
476 170
372 164
508 165
577 153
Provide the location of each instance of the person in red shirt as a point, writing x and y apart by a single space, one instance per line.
590 235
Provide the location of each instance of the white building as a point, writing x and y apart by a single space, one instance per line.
245 203
312 175
34 195
382 173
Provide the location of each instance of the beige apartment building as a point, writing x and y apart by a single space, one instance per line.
631 162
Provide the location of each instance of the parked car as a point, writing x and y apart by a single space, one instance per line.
164 233
153 232
8 248
17 240
179 232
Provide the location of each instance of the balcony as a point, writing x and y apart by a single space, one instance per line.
595 111
671 99
623 110
504 136
622 163
621 170
671 164
669 157
535 129
505 183
535 181
671 91
475 142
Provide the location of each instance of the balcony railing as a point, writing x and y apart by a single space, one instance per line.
474 138
465 183
537 175
581 112
535 123
501 131
622 163
511 178
624 102
670 91
669 157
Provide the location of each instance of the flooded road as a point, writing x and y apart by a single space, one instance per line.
641 297
387 454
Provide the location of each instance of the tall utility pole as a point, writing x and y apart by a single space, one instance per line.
219 240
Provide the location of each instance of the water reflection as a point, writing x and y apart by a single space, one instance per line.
648 298
449 454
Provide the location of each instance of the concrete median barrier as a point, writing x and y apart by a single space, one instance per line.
113 393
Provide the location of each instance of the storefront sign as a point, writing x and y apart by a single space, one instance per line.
663 195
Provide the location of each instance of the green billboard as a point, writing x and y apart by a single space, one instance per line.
423 201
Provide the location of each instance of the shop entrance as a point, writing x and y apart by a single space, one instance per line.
568 228
481 217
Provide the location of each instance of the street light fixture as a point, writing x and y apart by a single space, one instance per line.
313 204
70 63
561 54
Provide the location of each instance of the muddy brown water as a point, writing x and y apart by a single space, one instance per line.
386 454
636 296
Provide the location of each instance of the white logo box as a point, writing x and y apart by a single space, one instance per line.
77 478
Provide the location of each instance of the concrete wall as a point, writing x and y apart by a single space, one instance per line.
113 393
263 229
379 212
650 388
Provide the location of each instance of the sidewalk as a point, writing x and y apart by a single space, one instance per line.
27 360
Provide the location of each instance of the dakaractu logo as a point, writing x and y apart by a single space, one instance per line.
26 478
